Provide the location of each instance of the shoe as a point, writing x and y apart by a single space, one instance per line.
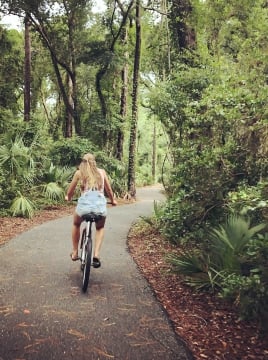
96 262
74 258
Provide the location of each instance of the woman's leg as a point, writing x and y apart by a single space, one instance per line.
99 236
75 235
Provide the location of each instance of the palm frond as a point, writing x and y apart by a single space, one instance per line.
16 158
188 263
64 175
196 269
228 241
22 206
53 191
235 234
204 281
60 175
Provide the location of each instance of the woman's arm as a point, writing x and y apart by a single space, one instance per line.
72 186
108 188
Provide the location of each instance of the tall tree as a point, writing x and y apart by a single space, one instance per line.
11 72
118 36
123 99
182 31
53 21
134 116
124 87
27 69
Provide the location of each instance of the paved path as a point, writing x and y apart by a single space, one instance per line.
44 315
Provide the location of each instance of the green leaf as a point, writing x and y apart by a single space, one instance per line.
22 206
53 191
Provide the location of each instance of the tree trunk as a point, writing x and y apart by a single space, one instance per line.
123 101
182 32
99 77
154 153
73 100
165 26
102 71
68 118
56 63
69 107
27 70
134 117
77 121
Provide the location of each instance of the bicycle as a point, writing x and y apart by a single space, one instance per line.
86 245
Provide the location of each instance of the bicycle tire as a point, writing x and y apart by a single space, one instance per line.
87 265
82 257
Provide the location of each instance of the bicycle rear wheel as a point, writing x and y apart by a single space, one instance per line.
87 260
82 247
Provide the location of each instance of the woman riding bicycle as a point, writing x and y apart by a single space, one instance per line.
89 177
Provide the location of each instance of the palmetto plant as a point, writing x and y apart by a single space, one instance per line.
34 182
229 241
51 188
225 254
196 267
22 206
53 191
18 164
54 181
17 159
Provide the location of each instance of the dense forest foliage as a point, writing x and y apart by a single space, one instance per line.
161 91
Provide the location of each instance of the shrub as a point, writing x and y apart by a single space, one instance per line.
234 262
249 294
181 217
68 152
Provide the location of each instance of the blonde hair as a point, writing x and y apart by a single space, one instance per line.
90 176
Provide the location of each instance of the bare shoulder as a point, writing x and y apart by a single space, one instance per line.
77 175
102 171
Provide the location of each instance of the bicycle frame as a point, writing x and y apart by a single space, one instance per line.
84 243
86 248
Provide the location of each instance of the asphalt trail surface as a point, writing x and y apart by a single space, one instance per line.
44 315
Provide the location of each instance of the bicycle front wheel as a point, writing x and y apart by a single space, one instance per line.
87 263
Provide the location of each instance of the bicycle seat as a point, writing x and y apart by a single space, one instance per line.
91 217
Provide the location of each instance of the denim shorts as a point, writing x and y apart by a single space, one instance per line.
92 201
